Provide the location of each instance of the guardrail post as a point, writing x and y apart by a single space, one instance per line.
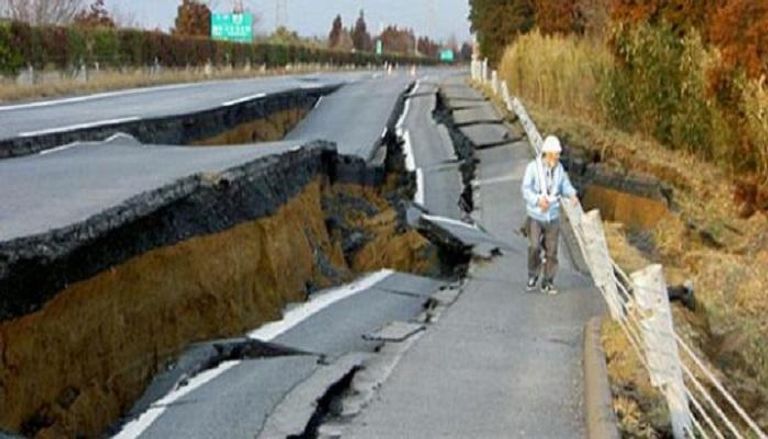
650 291
484 71
530 129
597 257
495 82
505 95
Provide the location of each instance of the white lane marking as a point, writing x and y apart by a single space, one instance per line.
401 121
317 304
419 196
449 221
79 126
57 149
317 104
243 99
410 160
99 96
136 427
267 332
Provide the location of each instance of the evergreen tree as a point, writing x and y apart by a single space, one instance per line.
334 37
360 36
498 22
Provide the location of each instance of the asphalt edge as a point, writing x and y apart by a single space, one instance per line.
598 401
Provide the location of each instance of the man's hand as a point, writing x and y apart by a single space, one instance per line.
544 204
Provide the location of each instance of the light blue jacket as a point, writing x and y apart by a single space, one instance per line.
532 191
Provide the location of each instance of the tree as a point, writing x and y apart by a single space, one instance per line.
596 18
428 47
740 29
193 18
360 36
37 12
558 17
345 41
334 37
397 40
95 16
466 52
498 22
682 15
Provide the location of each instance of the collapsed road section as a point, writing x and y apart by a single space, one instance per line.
116 255
93 310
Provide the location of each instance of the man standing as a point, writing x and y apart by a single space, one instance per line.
544 184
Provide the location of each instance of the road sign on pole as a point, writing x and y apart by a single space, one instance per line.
379 47
232 27
446 55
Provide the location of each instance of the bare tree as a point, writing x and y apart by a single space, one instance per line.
42 11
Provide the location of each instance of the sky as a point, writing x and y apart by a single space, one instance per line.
314 17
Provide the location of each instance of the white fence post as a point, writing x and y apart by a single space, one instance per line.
597 257
650 291
530 129
484 71
505 95
495 82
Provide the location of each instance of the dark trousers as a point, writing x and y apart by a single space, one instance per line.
543 238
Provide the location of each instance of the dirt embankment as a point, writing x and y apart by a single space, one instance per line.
77 358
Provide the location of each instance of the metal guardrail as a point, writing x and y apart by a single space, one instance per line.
698 402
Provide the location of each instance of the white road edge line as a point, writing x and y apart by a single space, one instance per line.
78 126
317 304
97 96
401 120
410 160
136 427
243 99
450 221
419 197
57 149
267 332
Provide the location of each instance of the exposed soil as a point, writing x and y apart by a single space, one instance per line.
77 364
271 128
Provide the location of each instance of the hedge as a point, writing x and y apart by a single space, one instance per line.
67 47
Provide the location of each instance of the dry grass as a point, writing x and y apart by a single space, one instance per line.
639 407
114 80
562 74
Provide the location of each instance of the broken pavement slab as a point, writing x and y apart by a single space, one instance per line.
396 331
487 135
292 416
410 284
457 235
475 115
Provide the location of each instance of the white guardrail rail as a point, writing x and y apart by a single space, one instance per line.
698 402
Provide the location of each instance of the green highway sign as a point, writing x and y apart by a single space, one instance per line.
446 55
232 27
379 47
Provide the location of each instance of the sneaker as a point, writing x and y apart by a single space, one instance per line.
548 288
531 285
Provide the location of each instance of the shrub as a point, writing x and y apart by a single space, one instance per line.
11 60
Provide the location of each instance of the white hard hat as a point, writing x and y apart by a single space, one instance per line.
552 144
